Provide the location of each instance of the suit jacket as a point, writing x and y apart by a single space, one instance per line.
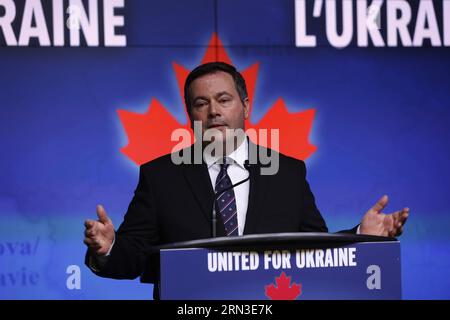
174 203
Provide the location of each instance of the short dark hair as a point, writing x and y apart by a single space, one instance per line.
213 67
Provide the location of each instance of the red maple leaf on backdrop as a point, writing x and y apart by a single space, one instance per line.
284 290
149 134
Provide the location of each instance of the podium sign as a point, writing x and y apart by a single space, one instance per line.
365 270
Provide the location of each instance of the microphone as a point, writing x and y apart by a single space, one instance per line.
247 166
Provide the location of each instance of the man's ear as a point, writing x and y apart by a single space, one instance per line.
246 108
191 122
188 114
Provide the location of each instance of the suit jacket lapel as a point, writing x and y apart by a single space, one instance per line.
198 179
251 218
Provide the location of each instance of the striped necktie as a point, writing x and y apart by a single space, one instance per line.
226 202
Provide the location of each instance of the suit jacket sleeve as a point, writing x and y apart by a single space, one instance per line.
312 219
135 236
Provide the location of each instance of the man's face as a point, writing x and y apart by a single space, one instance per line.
216 103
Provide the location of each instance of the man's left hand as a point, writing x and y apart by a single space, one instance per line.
377 223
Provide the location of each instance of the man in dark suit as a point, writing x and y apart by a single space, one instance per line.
174 202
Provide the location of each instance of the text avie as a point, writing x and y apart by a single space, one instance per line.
281 259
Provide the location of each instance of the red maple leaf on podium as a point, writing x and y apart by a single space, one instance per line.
149 134
284 289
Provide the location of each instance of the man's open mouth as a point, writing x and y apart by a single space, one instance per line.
216 125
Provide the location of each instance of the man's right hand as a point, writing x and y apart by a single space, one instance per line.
99 235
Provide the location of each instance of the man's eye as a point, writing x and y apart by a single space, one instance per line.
200 104
224 100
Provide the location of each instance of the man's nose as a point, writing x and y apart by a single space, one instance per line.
214 109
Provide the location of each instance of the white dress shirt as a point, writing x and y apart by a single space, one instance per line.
236 172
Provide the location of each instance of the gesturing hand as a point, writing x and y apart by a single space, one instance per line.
99 235
377 223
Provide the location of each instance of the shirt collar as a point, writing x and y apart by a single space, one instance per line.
239 156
